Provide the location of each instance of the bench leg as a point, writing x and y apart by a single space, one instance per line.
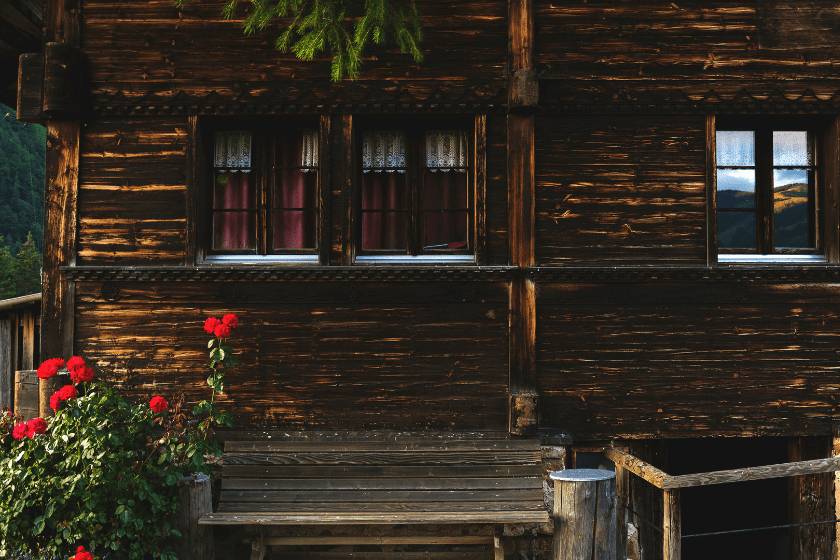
498 545
258 547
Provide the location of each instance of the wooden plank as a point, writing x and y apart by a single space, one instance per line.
711 192
405 444
521 31
297 518
347 182
26 394
28 339
59 237
835 452
324 201
416 496
638 467
395 554
622 489
339 509
480 222
672 526
811 499
487 484
193 183
829 207
321 471
384 540
386 458
6 372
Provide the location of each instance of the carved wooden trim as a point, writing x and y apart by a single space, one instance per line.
767 273
251 274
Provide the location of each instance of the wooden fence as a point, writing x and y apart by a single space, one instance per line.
20 326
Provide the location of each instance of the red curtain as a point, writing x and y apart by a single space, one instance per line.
234 230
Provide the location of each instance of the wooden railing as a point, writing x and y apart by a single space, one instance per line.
626 463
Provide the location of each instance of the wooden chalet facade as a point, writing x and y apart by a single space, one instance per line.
586 296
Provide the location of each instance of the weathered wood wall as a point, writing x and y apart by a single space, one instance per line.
153 51
613 190
693 46
681 359
396 356
131 201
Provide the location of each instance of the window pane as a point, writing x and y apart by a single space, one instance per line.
736 188
234 230
294 229
791 220
736 230
445 189
234 190
384 191
295 188
298 149
445 230
735 147
792 147
384 230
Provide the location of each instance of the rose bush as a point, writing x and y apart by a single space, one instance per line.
99 477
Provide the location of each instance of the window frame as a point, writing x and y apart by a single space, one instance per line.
415 129
823 228
265 133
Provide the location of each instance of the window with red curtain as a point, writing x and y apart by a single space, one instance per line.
264 193
415 192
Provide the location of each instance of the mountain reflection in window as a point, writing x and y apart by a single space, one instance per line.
788 172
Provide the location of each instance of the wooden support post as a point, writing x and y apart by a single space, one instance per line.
28 340
622 486
835 452
196 541
584 515
811 498
671 525
5 363
26 394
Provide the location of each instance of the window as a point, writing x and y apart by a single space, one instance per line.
415 196
767 188
262 200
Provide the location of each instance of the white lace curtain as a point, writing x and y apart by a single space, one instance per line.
446 149
383 150
233 150
309 151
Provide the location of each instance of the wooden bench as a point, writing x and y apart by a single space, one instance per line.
414 480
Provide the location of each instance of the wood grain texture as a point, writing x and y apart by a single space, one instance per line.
6 373
810 499
829 205
497 191
401 356
133 191
140 48
695 45
672 526
661 359
623 190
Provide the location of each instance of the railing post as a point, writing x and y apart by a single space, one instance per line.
671 525
584 515
622 486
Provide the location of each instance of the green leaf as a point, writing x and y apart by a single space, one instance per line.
210 342
38 526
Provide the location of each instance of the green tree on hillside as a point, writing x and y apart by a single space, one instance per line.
21 275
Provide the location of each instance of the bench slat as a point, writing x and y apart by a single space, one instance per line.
385 508
407 444
406 458
381 483
380 496
372 518
323 471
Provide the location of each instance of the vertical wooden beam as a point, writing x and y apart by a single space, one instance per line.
194 160
324 167
14 323
811 498
671 525
523 406
480 232
711 192
835 452
28 339
6 371
346 183
622 487
829 210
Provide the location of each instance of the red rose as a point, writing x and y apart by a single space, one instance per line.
35 426
49 368
19 431
75 363
158 404
210 324
55 401
222 331
230 320
81 554
68 392
82 375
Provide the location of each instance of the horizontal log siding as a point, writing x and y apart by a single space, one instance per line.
692 44
140 47
678 360
620 189
401 356
131 205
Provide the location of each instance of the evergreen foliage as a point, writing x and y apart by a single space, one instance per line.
21 275
22 161
345 27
